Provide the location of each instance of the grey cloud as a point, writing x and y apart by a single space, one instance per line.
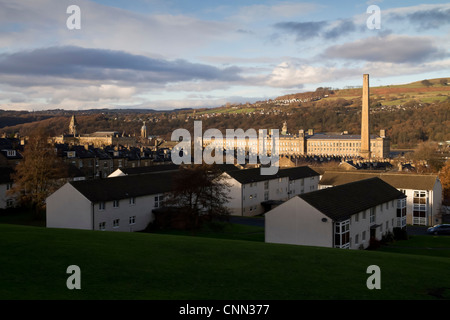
302 30
344 27
395 49
100 64
313 29
425 19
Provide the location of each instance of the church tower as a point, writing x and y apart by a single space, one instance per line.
144 131
73 126
284 130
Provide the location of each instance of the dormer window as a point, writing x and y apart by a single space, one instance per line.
10 153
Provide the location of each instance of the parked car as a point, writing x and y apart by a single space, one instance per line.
439 229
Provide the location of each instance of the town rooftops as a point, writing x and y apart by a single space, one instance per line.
397 180
341 202
254 175
124 187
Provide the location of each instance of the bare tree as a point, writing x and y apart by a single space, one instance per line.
200 191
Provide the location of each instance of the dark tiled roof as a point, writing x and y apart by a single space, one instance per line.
149 169
254 175
125 186
339 203
397 180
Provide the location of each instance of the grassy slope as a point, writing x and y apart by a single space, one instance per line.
151 266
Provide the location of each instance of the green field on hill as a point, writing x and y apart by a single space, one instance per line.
34 263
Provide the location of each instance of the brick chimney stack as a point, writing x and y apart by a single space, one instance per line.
365 134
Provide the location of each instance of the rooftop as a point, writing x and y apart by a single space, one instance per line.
254 175
124 187
341 202
397 180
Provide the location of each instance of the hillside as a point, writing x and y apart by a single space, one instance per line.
425 91
153 266
409 113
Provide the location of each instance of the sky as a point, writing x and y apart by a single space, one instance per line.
167 54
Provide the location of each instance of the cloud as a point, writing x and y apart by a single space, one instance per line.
279 10
390 48
42 23
302 30
328 30
424 18
341 28
101 64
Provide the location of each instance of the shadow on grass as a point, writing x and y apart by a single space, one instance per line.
22 216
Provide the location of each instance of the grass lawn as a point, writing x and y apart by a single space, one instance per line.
155 266
222 230
438 246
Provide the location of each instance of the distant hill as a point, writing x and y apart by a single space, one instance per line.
426 91
409 113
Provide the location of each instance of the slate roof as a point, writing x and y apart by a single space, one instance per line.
341 202
254 175
149 169
124 187
397 180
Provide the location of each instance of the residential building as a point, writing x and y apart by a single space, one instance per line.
423 191
122 203
6 183
346 216
252 193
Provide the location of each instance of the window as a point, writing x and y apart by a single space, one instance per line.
357 239
9 203
102 226
420 207
116 223
266 185
158 201
132 201
266 195
115 203
401 213
132 220
342 234
9 186
357 217
101 206
363 236
372 215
